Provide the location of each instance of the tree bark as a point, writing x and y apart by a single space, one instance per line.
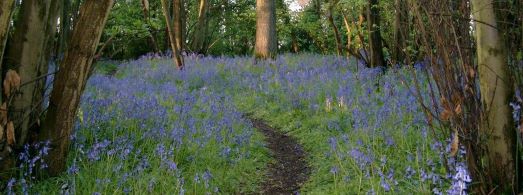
266 41
27 49
201 31
178 24
400 31
177 58
376 46
330 17
495 95
152 39
6 10
43 69
70 81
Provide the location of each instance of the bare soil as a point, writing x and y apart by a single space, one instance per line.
289 170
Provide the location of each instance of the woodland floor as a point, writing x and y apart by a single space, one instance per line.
289 169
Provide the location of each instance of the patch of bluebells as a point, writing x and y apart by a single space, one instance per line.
372 123
149 117
31 162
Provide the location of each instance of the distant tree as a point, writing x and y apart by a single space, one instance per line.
266 40
400 30
198 43
152 40
175 45
330 18
375 40
71 79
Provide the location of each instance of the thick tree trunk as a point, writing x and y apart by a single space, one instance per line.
201 30
266 41
495 95
6 10
400 31
26 53
376 46
330 17
177 58
70 81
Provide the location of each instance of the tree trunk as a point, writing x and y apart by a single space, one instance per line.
65 26
376 46
330 17
27 49
495 95
400 31
201 31
43 69
70 81
266 41
152 40
177 24
6 10
295 47
177 58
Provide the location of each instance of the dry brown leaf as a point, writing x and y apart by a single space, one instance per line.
11 133
454 145
3 114
11 82
445 115
1 133
458 109
7 88
472 73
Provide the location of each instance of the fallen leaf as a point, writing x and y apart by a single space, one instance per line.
11 82
445 115
1 133
11 133
458 109
3 114
454 145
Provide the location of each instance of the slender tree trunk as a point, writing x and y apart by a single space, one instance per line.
27 49
295 47
177 58
177 24
6 8
399 31
70 81
152 40
376 46
201 30
330 17
65 26
351 51
43 68
495 95
266 41
7 159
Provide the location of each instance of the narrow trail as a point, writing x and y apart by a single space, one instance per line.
289 170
